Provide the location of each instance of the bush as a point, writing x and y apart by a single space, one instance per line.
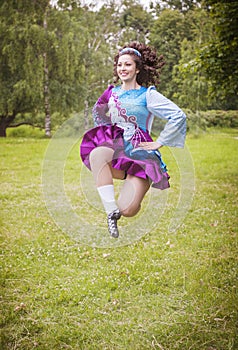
213 118
227 119
27 131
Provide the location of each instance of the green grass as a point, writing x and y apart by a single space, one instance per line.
169 290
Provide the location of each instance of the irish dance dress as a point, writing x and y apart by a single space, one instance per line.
123 119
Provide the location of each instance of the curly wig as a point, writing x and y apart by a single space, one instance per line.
149 64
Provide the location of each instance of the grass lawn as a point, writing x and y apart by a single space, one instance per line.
164 289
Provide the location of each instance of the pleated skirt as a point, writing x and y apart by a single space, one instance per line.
127 155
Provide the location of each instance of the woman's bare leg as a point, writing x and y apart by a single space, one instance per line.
134 188
100 162
132 194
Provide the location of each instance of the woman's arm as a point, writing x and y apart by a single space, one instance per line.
174 132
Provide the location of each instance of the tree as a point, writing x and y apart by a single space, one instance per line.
64 49
219 55
40 65
46 84
99 39
192 84
135 22
21 41
182 6
167 33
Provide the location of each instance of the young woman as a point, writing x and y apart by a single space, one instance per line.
120 145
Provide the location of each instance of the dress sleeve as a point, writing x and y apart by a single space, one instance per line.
100 109
174 131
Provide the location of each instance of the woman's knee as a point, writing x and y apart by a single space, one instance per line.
132 194
130 211
101 154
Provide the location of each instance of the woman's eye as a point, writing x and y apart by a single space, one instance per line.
126 64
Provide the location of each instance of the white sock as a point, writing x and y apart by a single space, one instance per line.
108 198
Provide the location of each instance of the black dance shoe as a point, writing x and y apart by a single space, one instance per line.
112 223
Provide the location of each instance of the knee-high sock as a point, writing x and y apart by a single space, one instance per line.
108 198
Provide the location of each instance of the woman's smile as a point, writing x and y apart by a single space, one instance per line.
126 69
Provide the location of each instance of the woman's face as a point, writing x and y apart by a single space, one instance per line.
126 69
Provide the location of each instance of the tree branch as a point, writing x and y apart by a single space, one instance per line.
24 123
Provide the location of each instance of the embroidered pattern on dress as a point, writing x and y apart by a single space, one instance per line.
137 138
99 114
118 114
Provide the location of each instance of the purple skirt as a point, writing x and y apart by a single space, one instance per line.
139 163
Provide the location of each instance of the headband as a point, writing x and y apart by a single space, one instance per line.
130 50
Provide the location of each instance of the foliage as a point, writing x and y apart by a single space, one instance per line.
25 44
96 58
26 131
63 59
228 119
75 45
218 56
201 120
166 34
170 290
182 6
192 85
135 22
21 43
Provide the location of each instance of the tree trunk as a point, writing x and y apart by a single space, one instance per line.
86 122
46 89
47 99
4 123
3 129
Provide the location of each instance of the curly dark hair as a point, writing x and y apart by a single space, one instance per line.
149 64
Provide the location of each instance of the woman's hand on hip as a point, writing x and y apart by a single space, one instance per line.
150 146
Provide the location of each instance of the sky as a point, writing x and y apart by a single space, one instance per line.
145 3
